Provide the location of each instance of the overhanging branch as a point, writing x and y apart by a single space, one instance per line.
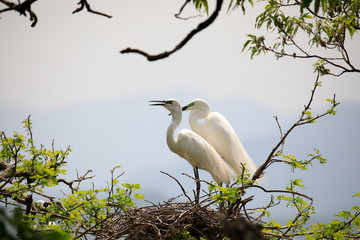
22 8
190 35
84 4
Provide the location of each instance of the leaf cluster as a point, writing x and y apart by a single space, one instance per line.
295 163
239 3
10 225
201 5
339 19
26 170
346 226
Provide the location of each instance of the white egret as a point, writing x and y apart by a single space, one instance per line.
193 148
217 131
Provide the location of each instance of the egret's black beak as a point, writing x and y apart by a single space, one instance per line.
157 102
185 108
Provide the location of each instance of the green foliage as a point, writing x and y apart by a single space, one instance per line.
186 235
225 194
346 226
233 193
328 30
33 167
254 45
317 156
320 66
13 228
201 5
239 3
304 209
294 163
27 170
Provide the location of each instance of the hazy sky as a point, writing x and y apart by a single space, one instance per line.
67 73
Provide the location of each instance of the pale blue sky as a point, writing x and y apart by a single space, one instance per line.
68 74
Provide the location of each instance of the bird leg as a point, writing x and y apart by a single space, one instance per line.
221 205
197 193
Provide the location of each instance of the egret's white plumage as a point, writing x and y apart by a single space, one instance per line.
217 131
194 148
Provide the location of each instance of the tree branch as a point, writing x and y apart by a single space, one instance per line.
84 3
177 15
328 60
301 121
25 7
190 35
282 191
22 8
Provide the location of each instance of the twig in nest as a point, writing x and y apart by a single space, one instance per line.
162 222
177 181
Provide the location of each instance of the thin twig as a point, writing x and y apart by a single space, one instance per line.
177 15
301 121
281 133
282 191
177 181
84 3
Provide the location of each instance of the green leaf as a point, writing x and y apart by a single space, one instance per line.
356 194
297 182
317 6
202 4
305 4
272 223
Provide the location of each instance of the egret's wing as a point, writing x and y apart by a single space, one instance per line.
201 154
218 132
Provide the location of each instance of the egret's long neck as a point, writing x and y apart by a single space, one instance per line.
170 138
202 112
196 116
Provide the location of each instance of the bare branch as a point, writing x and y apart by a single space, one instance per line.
281 133
78 180
282 191
25 7
84 4
328 60
182 8
301 121
190 35
177 15
22 8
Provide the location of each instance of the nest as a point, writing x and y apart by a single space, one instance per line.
199 218
164 221
178 221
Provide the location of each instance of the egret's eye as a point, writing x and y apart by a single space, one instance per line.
169 102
